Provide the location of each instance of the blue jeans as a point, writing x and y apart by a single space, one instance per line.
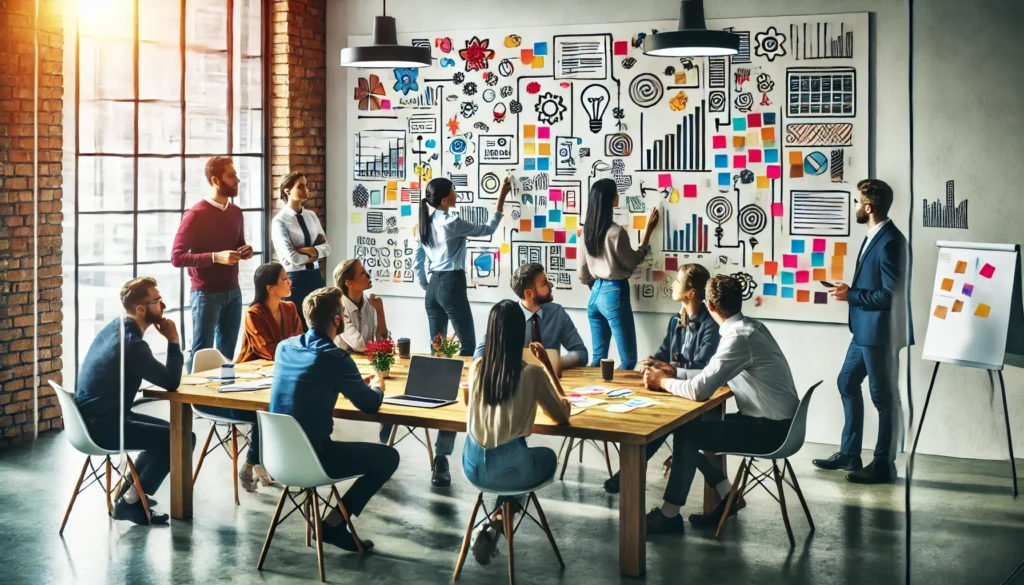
303 283
216 319
509 467
878 363
611 313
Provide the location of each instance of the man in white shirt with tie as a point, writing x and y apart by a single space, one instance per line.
751 363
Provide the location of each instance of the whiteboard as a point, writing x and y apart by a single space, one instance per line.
976 302
753 160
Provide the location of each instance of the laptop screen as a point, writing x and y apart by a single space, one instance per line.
431 377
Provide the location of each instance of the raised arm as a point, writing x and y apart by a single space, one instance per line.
139 360
421 264
623 250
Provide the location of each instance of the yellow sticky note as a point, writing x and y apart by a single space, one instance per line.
530 149
940 312
738 141
545 149
357 218
505 248
796 157
391 196
639 222
840 249
538 61
837 267
763 182
752 138
757 258
392 185
947 284
768 133
961 267
982 310
548 234
529 131
958 306
570 222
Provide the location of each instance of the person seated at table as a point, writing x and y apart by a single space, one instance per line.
501 405
691 340
547 323
100 395
751 363
309 374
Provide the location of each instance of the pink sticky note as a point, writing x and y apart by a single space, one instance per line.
385 104
671 263
689 190
544 132
754 120
803 276
789 260
559 236
819 245
621 47
987 270
754 155
718 142
664 180
555 195
774 171
776 210
739 161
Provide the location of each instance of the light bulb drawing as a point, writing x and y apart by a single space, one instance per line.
595 100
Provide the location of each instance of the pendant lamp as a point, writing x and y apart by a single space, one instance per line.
385 52
693 39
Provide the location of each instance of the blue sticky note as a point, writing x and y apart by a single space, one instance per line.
572 238
787 293
540 48
771 156
555 216
788 278
769 118
543 164
739 124
724 179
540 221
530 164
406 210
721 161
797 246
818 260
771 289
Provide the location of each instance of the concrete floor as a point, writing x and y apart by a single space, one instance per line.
967 529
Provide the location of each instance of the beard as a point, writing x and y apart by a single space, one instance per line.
862 216
228 190
152 317
544 300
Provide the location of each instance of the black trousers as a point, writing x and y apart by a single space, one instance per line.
144 433
736 433
374 462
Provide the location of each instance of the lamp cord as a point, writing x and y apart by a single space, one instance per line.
910 271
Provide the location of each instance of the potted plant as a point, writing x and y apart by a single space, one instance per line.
445 346
382 356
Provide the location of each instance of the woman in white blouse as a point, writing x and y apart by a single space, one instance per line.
299 240
364 314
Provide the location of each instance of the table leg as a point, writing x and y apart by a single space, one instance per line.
632 516
181 460
711 497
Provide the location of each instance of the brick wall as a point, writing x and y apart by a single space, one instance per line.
17 61
298 105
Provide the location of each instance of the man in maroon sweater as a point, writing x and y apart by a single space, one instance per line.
210 242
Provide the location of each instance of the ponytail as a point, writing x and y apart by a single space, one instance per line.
288 182
437 190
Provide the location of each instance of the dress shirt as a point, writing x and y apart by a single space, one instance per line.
360 325
556 331
214 203
447 252
287 236
867 239
751 363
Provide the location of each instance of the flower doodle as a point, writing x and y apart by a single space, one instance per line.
550 108
770 44
406 80
476 54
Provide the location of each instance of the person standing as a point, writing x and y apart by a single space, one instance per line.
299 240
606 262
210 242
878 321
441 253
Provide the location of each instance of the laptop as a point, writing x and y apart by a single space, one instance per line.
553 355
432 382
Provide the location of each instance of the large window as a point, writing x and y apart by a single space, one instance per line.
159 87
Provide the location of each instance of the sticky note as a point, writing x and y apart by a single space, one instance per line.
820 274
385 104
529 149
797 246
621 48
982 310
752 138
987 270
392 185
771 155
543 164
817 259
796 157
968 290
529 164
544 149
769 118
803 276
721 161
391 196
537 62
376 197
540 221
776 210
406 210
548 234
837 267
739 124
754 155
739 161
796 171
639 222
544 132
718 141
840 249
803 296
664 180
787 292
958 306
774 172
820 298
529 131
818 245
788 277
689 191
940 312
525 225
555 216
505 248
671 263
754 120
768 133
559 236
555 195
357 217
763 182
570 222
961 267
724 179
771 289
526 56
540 48
738 141
947 284
771 268
570 253
757 258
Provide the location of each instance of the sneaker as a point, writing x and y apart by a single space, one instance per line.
441 477
485 547
715 516
246 480
136 513
611 485
340 537
658 523
260 473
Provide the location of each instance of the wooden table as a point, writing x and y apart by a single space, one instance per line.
632 431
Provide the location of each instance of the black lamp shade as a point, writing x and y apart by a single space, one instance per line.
693 39
385 52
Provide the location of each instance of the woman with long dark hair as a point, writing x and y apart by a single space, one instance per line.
606 262
441 253
502 403
299 240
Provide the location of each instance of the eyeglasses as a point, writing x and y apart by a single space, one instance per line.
155 301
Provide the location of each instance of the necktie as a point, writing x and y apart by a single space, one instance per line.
305 234
536 327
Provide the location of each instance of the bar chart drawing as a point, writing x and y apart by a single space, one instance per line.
681 150
691 238
380 154
937 215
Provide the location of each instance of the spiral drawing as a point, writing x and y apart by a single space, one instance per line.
646 90
618 145
753 219
716 101
744 102
719 210
490 183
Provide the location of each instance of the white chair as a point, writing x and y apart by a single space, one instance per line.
793 443
205 360
78 435
508 528
288 455
578 445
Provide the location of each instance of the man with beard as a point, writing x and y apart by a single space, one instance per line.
210 242
99 396
546 322
877 300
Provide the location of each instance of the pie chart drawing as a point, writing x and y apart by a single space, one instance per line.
815 163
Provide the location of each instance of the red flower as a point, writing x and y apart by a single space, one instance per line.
367 92
476 54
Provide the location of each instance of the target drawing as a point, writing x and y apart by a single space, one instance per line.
618 145
716 101
753 219
646 90
490 183
719 210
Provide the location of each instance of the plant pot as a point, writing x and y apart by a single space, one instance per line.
383 374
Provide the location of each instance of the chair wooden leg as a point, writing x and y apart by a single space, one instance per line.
782 502
234 460
107 471
74 496
348 521
580 446
202 455
430 449
391 439
547 529
799 493
306 510
138 488
465 540
319 534
733 494
608 460
122 470
273 528
565 462
509 527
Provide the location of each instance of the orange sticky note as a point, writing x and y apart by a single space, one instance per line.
738 141
529 131
526 56
796 157
526 225
947 284
771 268
548 235
537 62
958 306
768 133
391 196
803 296
757 258
982 310
639 222
530 149
820 274
840 249
763 182
961 267
392 185
940 312
545 149
837 267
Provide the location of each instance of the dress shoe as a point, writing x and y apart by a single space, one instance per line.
875 472
839 461
340 537
611 485
659 523
136 513
712 519
441 477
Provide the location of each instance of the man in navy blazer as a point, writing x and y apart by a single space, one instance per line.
877 300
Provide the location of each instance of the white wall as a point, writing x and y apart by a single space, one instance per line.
815 351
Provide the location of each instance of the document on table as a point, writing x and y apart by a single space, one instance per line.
631 405
585 401
588 390
238 376
247 386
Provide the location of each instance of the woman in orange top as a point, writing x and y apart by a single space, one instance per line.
269 320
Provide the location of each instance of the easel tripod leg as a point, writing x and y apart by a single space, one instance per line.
1009 437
